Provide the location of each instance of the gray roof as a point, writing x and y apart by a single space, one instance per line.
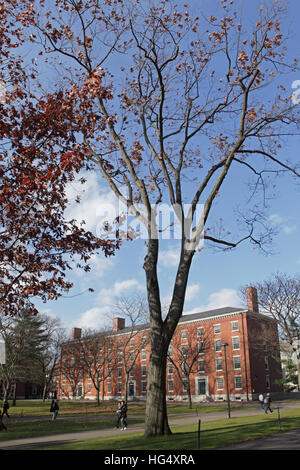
187 318
210 313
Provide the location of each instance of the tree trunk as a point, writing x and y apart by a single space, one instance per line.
156 409
161 335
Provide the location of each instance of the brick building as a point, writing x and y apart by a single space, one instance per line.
208 351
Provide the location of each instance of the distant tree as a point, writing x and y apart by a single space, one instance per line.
98 357
185 355
135 310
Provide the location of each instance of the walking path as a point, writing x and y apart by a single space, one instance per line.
291 438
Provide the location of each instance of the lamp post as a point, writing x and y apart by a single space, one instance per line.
226 377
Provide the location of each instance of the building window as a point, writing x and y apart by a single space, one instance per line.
108 387
217 329
200 347
266 363
119 372
219 363
143 386
170 368
89 388
219 382
131 356
144 371
265 346
184 385
183 334
235 342
267 381
131 343
236 362
119 357
131 372
235 325
184 349
119 387
170 351
170 386
143 354
201 366
218 345
200 332
237 382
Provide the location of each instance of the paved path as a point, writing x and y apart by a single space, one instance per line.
291 438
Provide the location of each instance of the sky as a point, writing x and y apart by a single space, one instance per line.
215 277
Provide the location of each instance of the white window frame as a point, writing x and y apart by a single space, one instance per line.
234 339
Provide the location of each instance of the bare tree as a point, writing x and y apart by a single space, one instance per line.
99 358
185 112
187 348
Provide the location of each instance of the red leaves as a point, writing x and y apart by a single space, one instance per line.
38 160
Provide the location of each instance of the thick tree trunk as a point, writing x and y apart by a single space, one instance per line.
156 409
161 335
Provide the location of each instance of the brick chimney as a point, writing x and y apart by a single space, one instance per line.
119 324
252 302
76 333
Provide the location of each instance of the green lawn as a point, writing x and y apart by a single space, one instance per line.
86 416
214 435
27 408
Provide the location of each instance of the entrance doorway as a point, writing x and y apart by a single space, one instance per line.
201 386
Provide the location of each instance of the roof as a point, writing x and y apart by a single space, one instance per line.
209 314
215 313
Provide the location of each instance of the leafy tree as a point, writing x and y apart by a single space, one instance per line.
37 243
168 105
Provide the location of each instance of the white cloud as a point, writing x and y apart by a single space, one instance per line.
101 315
288 230
96 204
223 298
191 292
277 221
94 318
168 258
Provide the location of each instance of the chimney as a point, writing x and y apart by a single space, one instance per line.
252 302
76 333
119 324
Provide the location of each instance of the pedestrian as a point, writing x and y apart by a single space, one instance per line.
54 409
2 425
118 419
123 415
267 403
5 408
261 400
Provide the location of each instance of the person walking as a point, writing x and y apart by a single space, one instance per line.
54 409
267 403
123 415
2 425
118 419
261 400
5 408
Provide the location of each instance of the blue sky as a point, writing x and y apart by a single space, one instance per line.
215 277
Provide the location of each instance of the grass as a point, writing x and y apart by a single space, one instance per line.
77 408
87 416
23 430
214 435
